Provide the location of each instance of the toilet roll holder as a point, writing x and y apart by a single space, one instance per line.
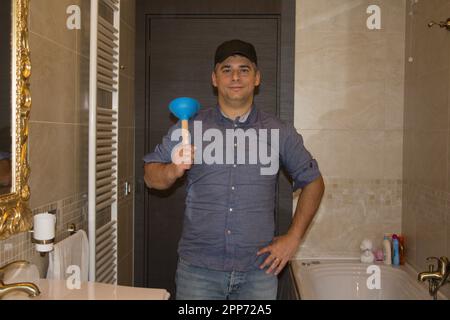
44 245
46 241
71 229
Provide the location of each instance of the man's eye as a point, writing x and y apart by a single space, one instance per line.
245 70
226 70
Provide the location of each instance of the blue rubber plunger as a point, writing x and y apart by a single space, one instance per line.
184 108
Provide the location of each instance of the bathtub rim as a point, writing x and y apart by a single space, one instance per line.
409 269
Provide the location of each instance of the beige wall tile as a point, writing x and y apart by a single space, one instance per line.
349 80
366 154
356 154
48 18
448 164
123 156
352 210
81 147
394 62
408 170
448 137
52 156
408 114
132 103
127 10
393 155
409 231
82 90
130 153
125 241
427 97
122 230
429 47
393 15
126 153
428 159
127 44
53 82
448 230
359 107
125 271
339 60
431 236
124 102
425 10
445 290
322 143
131 62
348 16
448 146
83 35
394 101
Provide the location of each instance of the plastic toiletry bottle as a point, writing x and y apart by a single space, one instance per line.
387 250
401 240
396 251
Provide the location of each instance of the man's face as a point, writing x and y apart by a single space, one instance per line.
235 79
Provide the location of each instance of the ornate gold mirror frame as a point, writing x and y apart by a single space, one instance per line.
15 214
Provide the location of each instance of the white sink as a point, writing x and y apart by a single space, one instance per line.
58 290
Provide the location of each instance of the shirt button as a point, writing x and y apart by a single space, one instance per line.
235 145
235 125
231 209
234 166
228 232
232 188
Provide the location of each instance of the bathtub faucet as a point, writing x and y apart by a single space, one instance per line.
436 278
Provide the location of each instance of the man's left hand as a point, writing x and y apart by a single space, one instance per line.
281 250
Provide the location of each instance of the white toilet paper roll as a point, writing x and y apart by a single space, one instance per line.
44 226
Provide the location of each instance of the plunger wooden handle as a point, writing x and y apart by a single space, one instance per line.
185 131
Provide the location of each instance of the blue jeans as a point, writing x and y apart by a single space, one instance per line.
196 283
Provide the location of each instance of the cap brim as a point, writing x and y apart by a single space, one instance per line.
234 53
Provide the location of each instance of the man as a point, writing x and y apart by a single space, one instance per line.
227 249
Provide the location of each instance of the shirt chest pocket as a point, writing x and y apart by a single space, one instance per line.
257 175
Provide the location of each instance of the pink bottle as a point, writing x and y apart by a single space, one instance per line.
379 256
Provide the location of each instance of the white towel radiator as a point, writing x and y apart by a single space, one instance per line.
103 139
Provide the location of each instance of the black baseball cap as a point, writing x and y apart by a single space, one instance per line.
233 47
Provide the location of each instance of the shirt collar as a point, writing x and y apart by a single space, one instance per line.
248 117
240 119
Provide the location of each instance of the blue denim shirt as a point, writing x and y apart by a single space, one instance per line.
230 207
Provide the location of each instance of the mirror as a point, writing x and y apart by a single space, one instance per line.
5 99
15 104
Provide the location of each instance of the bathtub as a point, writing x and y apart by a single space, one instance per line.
348 280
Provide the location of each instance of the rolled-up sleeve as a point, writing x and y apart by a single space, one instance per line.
297 160
163 151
